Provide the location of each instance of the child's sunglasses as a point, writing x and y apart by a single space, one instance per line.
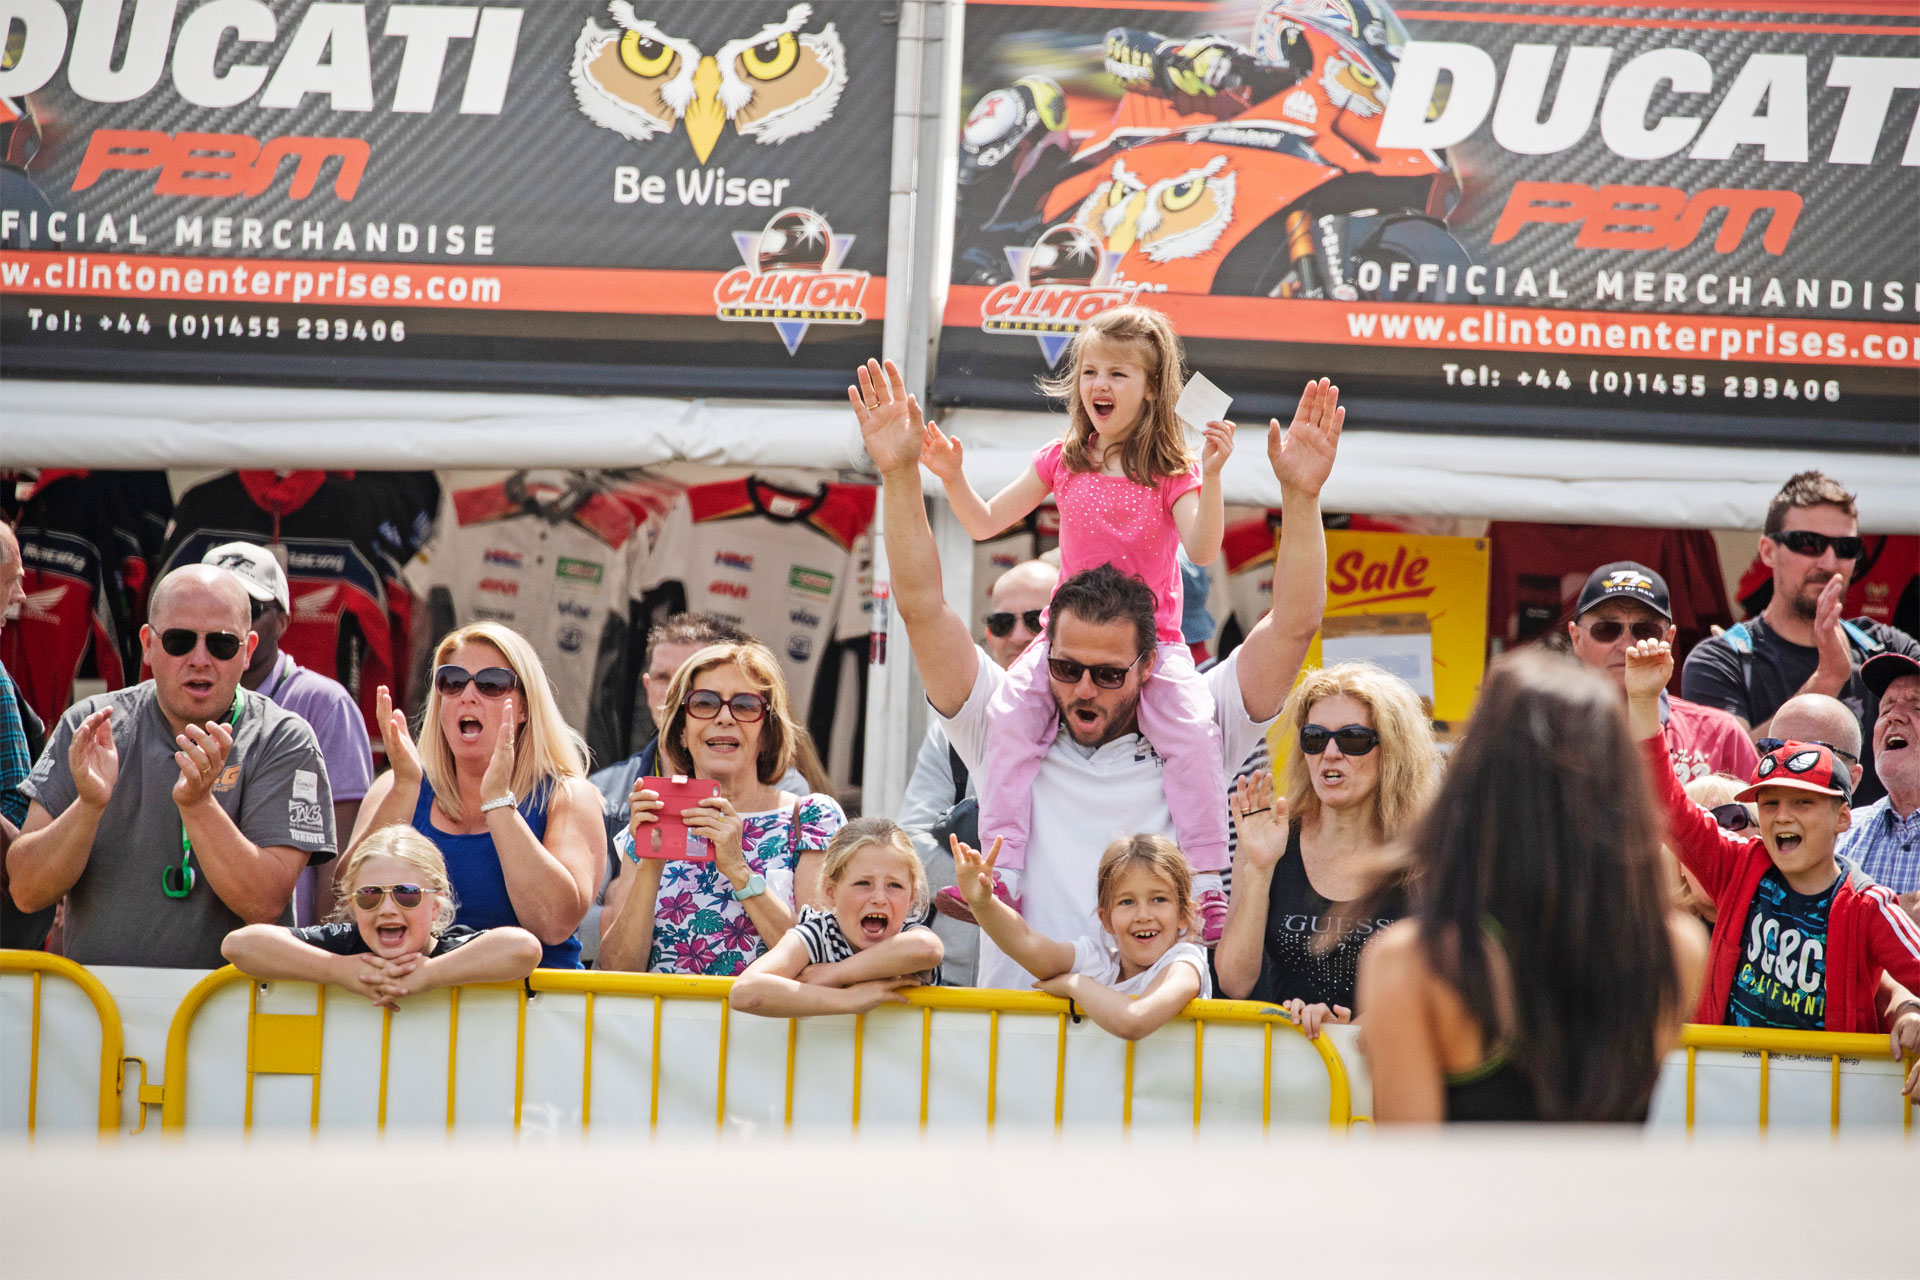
1000 625
492 682
179 642
405 896
1067 671
1733 816
1354 739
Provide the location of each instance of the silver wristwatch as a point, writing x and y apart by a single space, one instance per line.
506 801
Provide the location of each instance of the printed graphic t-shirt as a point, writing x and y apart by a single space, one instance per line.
1782 980
1298 921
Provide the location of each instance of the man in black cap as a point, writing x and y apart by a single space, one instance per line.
1884 841
1623 602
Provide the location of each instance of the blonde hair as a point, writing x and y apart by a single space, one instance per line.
403 844
1712 790
1408 759
762 670
1158 445
857 835
546 748
1157 854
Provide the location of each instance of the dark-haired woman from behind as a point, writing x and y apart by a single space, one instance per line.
1542 973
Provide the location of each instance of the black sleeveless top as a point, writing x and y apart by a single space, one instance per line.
1494 1091
1299 918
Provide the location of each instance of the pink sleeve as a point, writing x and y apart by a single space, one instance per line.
1046 461
1173 488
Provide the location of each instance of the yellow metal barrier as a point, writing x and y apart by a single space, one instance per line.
1766 1042
40 963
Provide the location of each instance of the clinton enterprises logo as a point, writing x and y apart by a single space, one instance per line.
790 277
1064 280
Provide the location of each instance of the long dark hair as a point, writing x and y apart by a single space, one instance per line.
1544 842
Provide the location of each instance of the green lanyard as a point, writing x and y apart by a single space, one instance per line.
183 875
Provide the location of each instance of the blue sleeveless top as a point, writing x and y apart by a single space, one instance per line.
479 885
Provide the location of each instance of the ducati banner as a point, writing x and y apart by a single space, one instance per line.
664 195
1540 218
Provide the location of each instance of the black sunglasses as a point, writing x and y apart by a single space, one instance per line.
405 896
705 704
179 642
1805 542
1768 746
1607 630
1354 739
492 682
1067 671
1000 625
1733 816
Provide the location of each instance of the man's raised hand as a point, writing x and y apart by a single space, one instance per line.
94 759
891 425
1302 455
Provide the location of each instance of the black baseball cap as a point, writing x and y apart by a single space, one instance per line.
1882 669
1626 580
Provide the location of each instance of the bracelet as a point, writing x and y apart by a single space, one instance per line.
506 801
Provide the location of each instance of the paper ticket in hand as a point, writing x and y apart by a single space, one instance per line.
1200 403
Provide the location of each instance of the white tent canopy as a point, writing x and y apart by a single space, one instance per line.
135 425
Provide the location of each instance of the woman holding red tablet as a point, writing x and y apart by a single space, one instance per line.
752 857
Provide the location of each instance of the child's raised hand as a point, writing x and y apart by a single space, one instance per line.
1260 819
1649 667
1217 449
974 873
940 454
1302 455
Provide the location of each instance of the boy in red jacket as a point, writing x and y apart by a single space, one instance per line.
1804 942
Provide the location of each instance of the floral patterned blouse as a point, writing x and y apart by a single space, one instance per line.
698 928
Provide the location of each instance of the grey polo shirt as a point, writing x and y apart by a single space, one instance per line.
274 787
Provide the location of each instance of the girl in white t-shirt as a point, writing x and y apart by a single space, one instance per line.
866 946
1142 969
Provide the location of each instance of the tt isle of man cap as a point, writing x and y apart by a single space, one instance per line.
1882 669
257 570
1803 766
1625 580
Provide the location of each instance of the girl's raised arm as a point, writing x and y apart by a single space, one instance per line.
982 520
1039 955
1201 515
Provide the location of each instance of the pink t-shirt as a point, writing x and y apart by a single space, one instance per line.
1108 519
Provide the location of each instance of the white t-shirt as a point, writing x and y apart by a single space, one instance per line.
1084 799
1097 958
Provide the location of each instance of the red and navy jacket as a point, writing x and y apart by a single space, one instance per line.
1867 932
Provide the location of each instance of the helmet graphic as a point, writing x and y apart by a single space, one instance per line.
795 240
1064 255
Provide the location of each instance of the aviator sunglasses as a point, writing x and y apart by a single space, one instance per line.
179 642
1067 671
1000 625
405 896
1353 739
492 682
1607 630
1805 542
705 704
1767 746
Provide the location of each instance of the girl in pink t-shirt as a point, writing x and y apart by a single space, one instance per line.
1130 495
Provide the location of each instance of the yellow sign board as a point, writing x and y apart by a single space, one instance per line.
1413 604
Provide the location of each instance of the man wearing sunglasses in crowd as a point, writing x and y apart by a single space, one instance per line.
1100 777
321 701
1884 841
941 780
1624 602
174 811
1800 643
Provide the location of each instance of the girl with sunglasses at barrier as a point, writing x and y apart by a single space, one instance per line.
752 853
498 783
1144 967
1357 768
1131 493
392 935
864 947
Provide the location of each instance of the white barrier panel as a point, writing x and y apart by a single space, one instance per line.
593 1052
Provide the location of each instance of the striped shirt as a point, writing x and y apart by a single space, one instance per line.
1884 845
827 942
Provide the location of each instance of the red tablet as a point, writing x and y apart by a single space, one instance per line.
676 843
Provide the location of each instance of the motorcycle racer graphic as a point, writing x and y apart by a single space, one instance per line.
1225 168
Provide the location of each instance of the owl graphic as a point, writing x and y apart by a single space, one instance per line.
1179 216
774 84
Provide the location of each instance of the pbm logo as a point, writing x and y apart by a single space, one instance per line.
1063 282
791 277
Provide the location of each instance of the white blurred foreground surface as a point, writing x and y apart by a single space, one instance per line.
1540 1203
